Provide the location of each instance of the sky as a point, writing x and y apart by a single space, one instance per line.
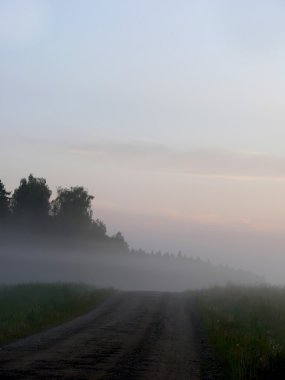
170 112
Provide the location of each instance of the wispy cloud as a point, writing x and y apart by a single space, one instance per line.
144 155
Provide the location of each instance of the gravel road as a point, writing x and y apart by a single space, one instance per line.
132 335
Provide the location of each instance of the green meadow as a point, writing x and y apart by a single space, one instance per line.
28 308
246 329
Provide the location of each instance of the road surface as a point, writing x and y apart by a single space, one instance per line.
132 335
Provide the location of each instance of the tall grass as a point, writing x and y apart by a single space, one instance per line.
27 308
246 326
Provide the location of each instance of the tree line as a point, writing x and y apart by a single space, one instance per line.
29 207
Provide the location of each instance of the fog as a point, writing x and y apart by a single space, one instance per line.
259 252
34 258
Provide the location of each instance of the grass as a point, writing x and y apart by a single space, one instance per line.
28 308
246 327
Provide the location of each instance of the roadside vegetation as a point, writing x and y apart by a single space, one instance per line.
246 329
28 308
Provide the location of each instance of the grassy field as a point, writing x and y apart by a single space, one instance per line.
246 328
28 308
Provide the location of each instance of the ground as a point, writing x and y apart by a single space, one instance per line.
132 335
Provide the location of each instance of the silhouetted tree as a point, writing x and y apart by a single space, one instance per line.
120 242
72 208
30 201
98 228
69 212
4 202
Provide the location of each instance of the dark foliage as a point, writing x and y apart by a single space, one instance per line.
4 202
69 214
72 209
30 201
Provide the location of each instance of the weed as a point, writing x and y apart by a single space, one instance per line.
246 326
28 308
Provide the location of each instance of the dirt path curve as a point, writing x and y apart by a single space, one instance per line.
133 335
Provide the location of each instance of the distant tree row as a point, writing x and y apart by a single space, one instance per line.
29 206
69 214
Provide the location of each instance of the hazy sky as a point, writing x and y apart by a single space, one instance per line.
172 113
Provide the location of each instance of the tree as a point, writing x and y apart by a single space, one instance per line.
72 208
98 228
30 201
4 202
120 242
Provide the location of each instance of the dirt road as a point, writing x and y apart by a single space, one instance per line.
133 335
